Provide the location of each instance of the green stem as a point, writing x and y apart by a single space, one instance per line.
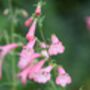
13 60
42 34
53 85
12 40
7 42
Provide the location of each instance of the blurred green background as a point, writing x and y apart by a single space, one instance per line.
66 18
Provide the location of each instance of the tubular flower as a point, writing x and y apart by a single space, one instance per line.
24 75
56 47
63 78
4 50
28 22
27 55
28 71
31 33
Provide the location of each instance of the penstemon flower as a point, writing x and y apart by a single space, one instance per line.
27 55
4 50
63 78
43 75
30 70
36 61
56 46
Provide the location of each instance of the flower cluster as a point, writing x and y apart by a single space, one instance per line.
35 59
32 62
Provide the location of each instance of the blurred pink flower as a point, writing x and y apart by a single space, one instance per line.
4 50
43 75
24 75
28 72
27 55
38 10
31 33
56 47
63 78
28 22
88 22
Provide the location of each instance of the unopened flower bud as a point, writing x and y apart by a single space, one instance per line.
38 10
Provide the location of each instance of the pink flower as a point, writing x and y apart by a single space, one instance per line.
27 55
38 10
4 50
36 68
88 22
63 78
26 58
31 34
56 47
43 75
30 44
24 75
28 22
27 72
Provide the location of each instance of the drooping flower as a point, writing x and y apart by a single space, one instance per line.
56 47
38 10
28 22
4 50
31 33
63 79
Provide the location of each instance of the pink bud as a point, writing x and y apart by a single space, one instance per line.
38 10
28 22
